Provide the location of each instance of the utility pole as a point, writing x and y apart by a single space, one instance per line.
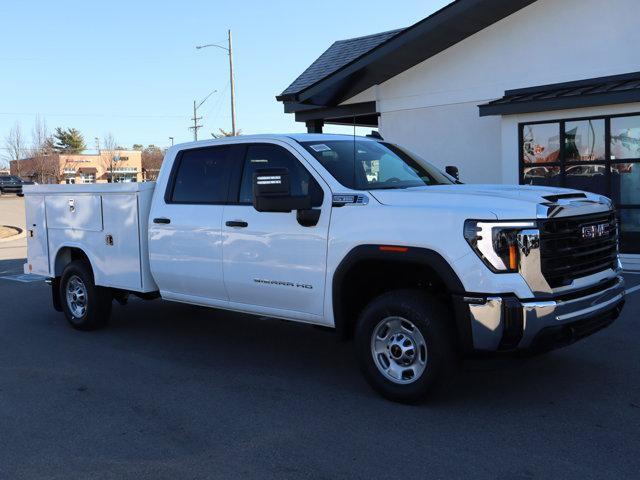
195 122
171 138
97 144
233 88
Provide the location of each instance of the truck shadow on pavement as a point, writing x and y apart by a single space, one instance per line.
273 358
296 356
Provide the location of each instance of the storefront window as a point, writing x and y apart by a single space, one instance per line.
625 183
630 230
591 178
541 143
599 155
625 138
584 141
548 176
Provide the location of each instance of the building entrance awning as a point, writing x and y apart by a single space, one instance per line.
591 92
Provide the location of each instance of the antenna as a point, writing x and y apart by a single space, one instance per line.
354 153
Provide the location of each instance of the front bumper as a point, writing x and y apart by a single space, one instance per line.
502 323
12 188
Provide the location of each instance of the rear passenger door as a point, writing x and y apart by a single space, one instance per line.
185 233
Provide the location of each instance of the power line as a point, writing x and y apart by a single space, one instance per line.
101 115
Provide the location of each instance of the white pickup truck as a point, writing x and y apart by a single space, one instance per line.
351 233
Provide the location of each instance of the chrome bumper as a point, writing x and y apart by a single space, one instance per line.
506 323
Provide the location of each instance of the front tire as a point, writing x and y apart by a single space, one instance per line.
404 346
86 306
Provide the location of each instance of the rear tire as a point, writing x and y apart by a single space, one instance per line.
404 345
86 306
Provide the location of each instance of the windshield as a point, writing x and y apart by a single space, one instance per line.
368 165
7 178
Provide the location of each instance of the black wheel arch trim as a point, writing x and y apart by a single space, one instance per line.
412 255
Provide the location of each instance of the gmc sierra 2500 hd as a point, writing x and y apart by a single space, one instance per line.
351 233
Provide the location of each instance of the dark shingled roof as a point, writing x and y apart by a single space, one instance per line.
341 53
582 93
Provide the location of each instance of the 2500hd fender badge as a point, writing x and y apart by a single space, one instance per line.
283 284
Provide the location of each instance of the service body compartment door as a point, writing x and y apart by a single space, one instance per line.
37 244
75 211
119 250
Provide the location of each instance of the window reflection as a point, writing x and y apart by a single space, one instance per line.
625 183
625 138
541 143
584 141
542 175
590 178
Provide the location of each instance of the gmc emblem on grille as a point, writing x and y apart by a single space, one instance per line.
595 231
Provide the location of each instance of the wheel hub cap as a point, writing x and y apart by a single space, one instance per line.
76 293
399 350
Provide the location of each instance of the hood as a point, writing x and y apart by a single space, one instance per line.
503 201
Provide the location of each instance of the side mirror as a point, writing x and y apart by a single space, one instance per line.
452 171
272 192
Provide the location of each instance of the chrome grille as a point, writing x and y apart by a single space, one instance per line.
565 253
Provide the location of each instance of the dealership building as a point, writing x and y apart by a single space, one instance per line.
542 92
105 166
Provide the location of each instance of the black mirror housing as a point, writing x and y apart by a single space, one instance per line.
272 192
453 171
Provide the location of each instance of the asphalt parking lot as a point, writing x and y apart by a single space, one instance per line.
175 391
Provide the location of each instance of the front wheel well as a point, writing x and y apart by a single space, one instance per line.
367 272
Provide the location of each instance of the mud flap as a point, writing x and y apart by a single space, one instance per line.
55 294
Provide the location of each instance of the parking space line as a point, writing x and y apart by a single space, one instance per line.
23 278
632 289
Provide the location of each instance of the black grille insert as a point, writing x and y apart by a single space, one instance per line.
567 255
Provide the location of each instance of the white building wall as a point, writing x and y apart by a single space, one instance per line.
432 107
449 135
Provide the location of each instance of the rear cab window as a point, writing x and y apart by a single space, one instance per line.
201 176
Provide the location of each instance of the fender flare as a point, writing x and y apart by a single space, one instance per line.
413 255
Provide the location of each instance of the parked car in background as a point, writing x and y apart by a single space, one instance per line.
12 184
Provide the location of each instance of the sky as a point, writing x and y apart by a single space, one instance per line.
130 68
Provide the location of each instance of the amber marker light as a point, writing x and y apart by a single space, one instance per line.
391 248
513 257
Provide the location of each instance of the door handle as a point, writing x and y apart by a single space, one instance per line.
237 224
162 220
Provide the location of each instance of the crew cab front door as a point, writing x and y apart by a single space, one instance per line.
185 229
273 264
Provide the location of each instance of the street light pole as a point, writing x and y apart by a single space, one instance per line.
229 50
233 88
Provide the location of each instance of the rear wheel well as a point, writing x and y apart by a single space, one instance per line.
66 255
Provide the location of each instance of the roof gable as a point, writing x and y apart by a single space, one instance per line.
335 57
397 53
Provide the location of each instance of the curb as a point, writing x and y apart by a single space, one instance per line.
21 234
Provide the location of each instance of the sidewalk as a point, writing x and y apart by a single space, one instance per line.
12 213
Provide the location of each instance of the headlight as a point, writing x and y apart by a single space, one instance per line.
496 242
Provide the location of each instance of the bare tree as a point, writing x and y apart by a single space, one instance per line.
223 133
15 147
110 148
45 160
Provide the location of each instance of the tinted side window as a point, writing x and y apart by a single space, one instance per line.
202 176
273 156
